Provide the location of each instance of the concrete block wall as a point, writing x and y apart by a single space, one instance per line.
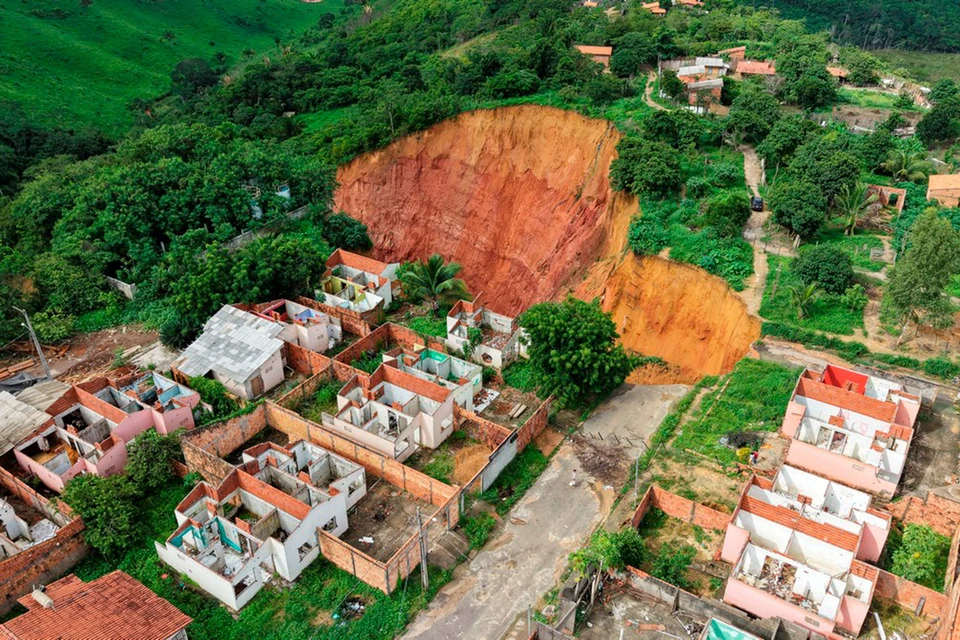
908 594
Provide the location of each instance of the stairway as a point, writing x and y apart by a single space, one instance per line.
447 550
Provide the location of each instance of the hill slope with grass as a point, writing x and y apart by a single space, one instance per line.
70 65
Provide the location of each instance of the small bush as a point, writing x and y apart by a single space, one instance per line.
342 231
519 375
698 187
922 556
428 326
647 236
671 564
477 529
52 327
726 174
855 298
941 367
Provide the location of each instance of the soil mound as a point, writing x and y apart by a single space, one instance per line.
520 196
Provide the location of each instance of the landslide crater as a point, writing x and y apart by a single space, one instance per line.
520 196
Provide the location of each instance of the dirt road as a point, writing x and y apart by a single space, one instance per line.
648 93
752 295
492 591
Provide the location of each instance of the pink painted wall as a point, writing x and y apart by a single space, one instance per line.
111 462
871 543
837 467
134 424
851 615
734 542
46 476
792 418
765 605
906 413
169 421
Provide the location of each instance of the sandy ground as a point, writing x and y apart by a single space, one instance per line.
648 93
752 295
525 560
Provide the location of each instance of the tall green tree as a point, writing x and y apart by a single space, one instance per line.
753 113
917 285
906 165
434 280
107 506
574 350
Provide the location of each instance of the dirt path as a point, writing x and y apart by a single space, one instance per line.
648 93
752 295
491 592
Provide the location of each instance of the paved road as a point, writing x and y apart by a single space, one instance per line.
491 592
631 414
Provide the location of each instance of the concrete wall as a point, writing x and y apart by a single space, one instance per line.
766 605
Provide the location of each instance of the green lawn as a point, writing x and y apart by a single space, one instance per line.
826 314
753 397
871 99
73 66
924 66
857 246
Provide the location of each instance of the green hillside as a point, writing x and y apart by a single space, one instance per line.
72 65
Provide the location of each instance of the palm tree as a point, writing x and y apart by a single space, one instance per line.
907 165
851 203
802 296
434 280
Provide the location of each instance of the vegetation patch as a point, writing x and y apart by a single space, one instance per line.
917 553
753 397
515 479
825 313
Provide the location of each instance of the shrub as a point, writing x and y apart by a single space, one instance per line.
698 187
826 266
941 367
922 556
726 174
671 564
477 529
214 394
646 236
148 462
727 213
52 327
798 206
342 231
854 298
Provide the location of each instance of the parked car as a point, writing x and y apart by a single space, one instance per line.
756 203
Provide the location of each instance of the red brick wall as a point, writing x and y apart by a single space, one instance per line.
58 512
354 562
303 391
305 361
204 448
350 321
939 513
41 563
534 425
681 508
388 335
67 400
489 433
907 594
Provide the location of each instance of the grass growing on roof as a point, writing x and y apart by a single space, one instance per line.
753 397
825 314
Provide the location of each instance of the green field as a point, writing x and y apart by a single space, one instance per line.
69 65
923 66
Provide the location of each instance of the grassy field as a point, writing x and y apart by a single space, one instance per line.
69 65
924 66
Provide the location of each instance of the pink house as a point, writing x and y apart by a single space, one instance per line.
93 422
798 556
850 427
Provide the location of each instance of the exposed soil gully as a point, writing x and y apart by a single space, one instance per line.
520 196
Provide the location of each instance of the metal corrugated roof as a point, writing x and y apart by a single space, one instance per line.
17 421
43 394
234 343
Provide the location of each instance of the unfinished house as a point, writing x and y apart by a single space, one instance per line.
794 563
239 349
493 340
112 606
93 422
17 534
851 427
18 420
394 412
357 283
320 467
260 521
463 379
305 327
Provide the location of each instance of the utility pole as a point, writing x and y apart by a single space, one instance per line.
423 552
36 343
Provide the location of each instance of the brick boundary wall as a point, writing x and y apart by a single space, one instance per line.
305 389
50 559
392 335
949 629
534 425
939 513
680 508
305 361
204 448
487 432
350 321
908 594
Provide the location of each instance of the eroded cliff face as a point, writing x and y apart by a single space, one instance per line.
520 196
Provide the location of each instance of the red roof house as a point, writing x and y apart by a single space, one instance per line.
113 606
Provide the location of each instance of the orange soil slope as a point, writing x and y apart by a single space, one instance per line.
520 197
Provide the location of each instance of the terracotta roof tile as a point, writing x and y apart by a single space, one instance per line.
848 400
356 261
789 518
591 50
756 68
111 607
